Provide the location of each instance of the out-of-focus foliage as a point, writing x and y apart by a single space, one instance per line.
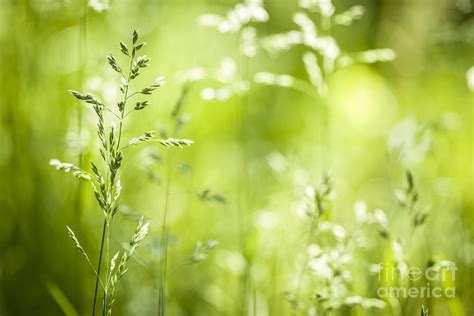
253 226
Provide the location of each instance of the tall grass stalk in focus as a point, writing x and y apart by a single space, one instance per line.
106 183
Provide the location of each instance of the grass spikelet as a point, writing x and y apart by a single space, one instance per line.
76 242
70 168
115 275
174 142
146 137
81 249
107 185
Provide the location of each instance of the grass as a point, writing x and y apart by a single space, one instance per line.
107 185
319 60
248 180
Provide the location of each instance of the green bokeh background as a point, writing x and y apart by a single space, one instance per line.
44 51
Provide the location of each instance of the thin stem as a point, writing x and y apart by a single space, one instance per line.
124 103
99 265
164 238
305 262
112 112
126 114
107 268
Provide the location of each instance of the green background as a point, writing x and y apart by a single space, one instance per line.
47 47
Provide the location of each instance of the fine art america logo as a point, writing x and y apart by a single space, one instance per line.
436 281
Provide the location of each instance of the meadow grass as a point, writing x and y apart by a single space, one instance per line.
106 184
320 271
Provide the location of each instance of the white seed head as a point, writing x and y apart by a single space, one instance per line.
208 94
248 44
380 217
360 210
265 78
314 72
284 81
470 78
160 81
223 94
211 20
277 162
376 55
282 42
346 18
314 250
227 71
321 268
339 232
324 7
99 5
307 26
310 193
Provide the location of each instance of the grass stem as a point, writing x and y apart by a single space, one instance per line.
164 238
98 266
